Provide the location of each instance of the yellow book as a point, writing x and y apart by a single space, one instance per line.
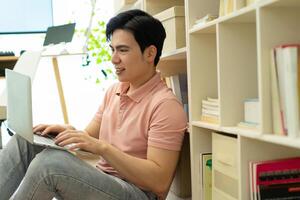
207 176
210 119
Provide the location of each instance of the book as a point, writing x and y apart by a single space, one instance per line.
210 119
175 85
183 88
251 111
287 63
277 112
210 102
210 112
207 176
179 87
226 7
292 64
267 173
168 82
249 2
280 191
281 84
248 125
210 107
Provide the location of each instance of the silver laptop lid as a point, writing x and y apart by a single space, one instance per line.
19 104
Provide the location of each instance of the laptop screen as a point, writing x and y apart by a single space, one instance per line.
58 34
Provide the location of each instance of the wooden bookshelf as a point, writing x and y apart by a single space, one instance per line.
229 58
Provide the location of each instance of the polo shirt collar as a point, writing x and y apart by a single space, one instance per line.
140 92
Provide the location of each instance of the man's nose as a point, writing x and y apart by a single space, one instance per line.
115 59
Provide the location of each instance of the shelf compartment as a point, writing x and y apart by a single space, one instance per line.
200 8
276 25
237 66
173 62
256 150
225 164
121 5
202 72
153 6
200 142
209 27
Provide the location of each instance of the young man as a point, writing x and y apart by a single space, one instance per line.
137 131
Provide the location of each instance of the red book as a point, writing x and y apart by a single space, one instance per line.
277 171
268 172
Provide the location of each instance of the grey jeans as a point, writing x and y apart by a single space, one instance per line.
48 173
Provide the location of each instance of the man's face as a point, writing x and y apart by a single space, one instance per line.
130 63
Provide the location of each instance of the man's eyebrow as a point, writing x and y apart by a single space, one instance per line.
119 46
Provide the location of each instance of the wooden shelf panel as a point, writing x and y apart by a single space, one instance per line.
214 127
172 63
178 54
209 27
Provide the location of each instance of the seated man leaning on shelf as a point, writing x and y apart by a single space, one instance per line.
137 131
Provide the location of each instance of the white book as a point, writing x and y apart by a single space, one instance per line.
213 99
251 111
277 112
291 89
210 112
281 82
209 107
210 103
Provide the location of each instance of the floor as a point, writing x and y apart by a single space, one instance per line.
171 196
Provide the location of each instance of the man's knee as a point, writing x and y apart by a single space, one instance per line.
49 161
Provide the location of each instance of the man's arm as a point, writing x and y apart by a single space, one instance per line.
154 174
93 128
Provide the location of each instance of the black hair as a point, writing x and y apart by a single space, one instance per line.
146 29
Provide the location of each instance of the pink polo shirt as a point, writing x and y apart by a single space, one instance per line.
150 116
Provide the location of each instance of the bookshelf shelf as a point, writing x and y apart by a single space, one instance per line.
178 54
173 62
209 27
211 126
229 58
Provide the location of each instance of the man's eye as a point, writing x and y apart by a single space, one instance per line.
123 50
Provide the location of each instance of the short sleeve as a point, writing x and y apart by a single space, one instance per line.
168 125
98 115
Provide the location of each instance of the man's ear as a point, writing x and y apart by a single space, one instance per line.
150 53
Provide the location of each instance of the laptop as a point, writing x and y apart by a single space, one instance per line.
19 109
58 34
56 39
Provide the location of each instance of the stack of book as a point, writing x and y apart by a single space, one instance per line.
210 110
275 179
285 87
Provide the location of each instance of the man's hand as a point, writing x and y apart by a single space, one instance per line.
79 140
44 129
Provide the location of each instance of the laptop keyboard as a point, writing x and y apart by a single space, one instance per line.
43 140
